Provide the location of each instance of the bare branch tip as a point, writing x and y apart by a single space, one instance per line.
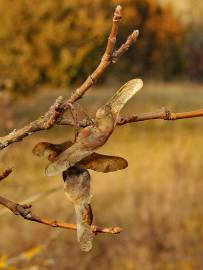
138 83
136 33
119 8
117 230
118 12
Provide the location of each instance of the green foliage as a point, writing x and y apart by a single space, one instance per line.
60 42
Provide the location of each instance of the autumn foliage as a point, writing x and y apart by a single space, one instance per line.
60 42
195 53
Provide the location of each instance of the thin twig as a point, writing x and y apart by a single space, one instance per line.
50 119
105 61
45 122
5 174
25 212
130 40
164 114
56 111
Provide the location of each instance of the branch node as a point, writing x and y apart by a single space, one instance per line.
117 14
24 211
168 115
91 79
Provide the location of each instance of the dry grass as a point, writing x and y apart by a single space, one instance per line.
157 199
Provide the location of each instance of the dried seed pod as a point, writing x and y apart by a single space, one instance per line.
93 137
96 162
77 190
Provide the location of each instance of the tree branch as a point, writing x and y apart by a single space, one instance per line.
124 48
105 61
54 114
164 114
25 212
45 122
110 56
5 174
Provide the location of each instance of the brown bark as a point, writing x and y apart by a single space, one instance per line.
53 116
25 212
5 174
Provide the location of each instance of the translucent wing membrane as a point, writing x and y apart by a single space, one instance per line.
77 190
84 232
122 96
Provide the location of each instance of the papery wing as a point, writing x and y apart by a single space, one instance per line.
103 163
66 159
122 96
84 232
50 150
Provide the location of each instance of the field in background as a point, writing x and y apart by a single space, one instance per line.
189 10
157 199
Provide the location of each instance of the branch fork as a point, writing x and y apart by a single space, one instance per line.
25 212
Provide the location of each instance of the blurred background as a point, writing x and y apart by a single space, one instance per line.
47 48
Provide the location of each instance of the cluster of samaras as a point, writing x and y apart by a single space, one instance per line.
73 159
